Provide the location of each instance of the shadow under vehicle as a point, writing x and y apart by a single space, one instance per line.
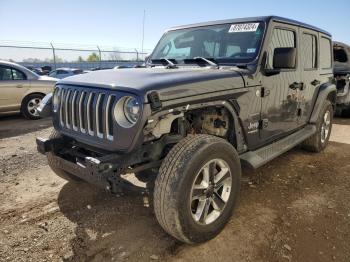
341 56
212 97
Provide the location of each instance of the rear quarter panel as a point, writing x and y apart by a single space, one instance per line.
40 86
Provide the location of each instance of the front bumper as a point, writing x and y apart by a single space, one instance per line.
99 172
105 170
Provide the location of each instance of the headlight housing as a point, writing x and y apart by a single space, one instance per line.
127 111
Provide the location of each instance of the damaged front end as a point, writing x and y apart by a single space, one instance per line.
104 169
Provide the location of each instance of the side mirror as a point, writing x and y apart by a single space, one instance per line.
284 58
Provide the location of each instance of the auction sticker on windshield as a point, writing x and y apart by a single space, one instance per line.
248 27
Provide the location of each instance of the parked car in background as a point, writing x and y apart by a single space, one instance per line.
61 73
46 69
43 70
341 55
36 70
100 68
121 67
22 90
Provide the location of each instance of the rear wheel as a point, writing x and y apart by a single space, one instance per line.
55 166
319 140
30 104
197 188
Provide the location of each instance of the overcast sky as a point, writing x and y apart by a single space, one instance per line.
119 23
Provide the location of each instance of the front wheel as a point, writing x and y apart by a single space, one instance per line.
197 188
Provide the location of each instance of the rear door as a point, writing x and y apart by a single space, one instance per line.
280 103
13 86
308 56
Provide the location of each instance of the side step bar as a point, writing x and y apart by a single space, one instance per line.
258 158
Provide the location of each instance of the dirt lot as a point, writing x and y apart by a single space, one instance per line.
297 208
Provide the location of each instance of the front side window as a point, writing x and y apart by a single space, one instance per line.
325 53
309 51
280 38
225 43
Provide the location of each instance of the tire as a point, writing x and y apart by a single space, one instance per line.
180 173
54 166
29 106
319 141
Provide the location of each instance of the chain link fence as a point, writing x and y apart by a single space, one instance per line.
55 55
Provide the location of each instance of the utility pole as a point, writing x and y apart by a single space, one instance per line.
143 29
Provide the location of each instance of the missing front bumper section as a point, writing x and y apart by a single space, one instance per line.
105 171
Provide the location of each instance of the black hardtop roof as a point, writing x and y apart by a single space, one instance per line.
252 19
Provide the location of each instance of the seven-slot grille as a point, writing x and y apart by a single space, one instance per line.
86 111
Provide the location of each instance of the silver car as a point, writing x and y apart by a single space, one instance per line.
65 72
21 90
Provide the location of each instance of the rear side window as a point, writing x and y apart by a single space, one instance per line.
5 73
8 73
280 38
325 53
309 51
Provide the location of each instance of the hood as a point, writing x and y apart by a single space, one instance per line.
141 80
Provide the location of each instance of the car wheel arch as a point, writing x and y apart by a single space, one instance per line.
236 137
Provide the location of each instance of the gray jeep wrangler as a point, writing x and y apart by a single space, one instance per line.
212 97
341 55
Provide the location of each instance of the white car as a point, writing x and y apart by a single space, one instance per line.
22 90
61 73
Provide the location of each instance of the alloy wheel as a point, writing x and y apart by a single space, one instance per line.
210 191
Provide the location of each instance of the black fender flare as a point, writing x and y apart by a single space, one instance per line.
326 91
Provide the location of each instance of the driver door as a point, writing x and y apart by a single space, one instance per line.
279 112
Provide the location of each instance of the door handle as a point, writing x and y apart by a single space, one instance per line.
315 82
297 85
19 86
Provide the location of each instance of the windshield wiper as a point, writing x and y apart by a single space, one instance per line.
169 63
209 62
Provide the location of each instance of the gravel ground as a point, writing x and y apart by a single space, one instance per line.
296 208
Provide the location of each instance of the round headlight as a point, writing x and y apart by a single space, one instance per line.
131 109
127 111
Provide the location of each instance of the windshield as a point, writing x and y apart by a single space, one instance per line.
226 43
